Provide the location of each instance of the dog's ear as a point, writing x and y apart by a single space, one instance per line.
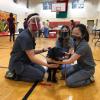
50 53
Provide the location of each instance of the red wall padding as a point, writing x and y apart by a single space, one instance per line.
56 24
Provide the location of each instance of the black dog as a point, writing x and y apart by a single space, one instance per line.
54 54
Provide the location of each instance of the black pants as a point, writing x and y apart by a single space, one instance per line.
12 33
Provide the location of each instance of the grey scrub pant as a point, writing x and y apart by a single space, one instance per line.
32 73
76 77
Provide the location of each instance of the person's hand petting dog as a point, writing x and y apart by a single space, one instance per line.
56 62
67 53
46 49
50 62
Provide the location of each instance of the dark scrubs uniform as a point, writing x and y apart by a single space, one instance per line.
80 74
20 64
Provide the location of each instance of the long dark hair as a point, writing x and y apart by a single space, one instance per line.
64 37
84 31
67 34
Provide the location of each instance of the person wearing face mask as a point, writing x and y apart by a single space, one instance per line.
80 74
64 40
24 64
65 43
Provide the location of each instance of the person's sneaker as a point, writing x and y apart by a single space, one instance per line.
92 79
9 75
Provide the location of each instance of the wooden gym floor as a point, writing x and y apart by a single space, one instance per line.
14 90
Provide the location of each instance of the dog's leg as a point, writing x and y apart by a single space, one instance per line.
54 78
49 75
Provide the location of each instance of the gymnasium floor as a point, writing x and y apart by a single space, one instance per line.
14 90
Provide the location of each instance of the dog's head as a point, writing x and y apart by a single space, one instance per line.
56 53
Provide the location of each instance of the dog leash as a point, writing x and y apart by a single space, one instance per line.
30 90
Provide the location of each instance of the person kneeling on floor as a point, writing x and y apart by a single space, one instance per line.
24 64
80 74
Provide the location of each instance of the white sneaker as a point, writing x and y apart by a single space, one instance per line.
92 79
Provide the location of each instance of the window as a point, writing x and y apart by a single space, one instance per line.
47 5
77 4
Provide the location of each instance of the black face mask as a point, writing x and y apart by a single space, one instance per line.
75 38
76 41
